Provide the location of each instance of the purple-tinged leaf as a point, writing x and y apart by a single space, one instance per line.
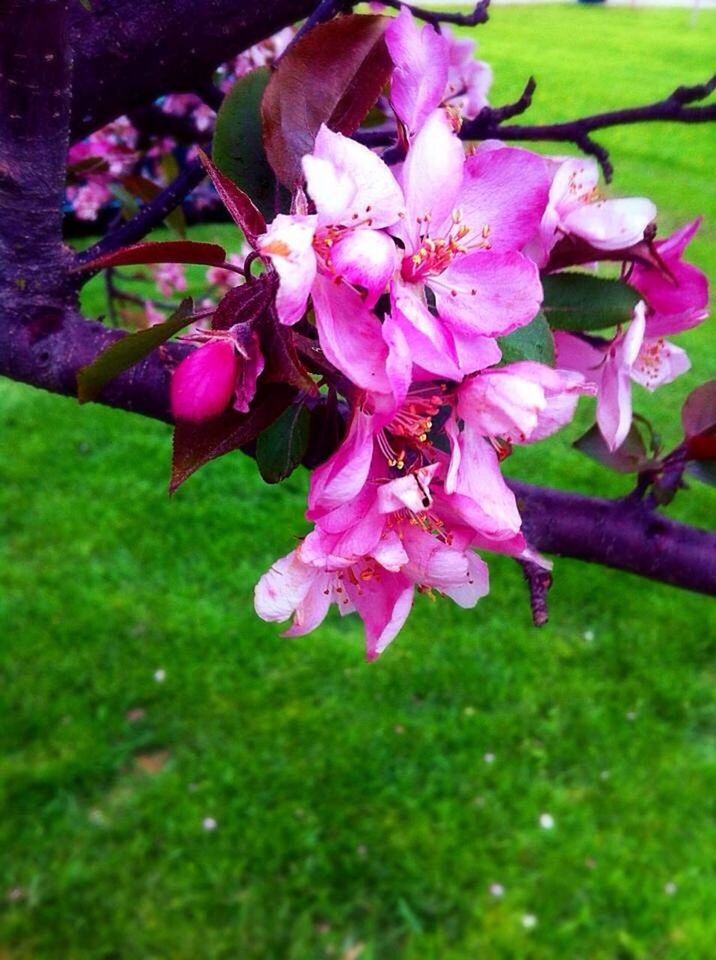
703 470
197 444
127 351
698 416
630 457
243 211
246 303
332 75
168 251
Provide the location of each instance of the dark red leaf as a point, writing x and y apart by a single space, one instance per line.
242 209
702 446
333 75
247 303
698 414
197 444
168 251
283 364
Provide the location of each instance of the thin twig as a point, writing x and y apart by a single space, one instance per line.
435 17
149 216
490 122
538 581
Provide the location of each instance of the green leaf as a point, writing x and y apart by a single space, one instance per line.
280 449
238 149
580 301
127 351
533 342
334 74
630 457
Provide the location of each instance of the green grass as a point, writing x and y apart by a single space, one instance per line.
354 804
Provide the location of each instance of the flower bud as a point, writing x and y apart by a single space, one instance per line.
203 383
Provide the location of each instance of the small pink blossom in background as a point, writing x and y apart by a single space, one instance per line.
226 279
170 278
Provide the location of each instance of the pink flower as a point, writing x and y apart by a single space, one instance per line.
375 575
576 208
465 222
677 293
355 194
612 365
169 278
88 199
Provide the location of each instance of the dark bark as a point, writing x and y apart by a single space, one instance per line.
127 53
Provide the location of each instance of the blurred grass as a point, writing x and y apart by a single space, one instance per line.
361 811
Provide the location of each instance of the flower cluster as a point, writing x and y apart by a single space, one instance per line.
409 276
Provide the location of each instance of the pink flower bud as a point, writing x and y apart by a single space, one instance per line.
203 383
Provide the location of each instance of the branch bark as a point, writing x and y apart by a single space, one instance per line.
127 53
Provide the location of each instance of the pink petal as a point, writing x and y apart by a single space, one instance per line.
574 353
659 362
432 177
488 293
365 258
411 491
350 335
611 224
341 478
419 79
288 242
203 384
283 588
383 603
431 345
614 411
501 403
350 184
503 196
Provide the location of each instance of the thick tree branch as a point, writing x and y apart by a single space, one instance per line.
127 53
623 534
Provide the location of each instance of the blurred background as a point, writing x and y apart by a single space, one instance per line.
177 780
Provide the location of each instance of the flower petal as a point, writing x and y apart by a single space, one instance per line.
420 76
289 244
350 335
350 184
488 293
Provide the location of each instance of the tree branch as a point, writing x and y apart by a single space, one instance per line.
149 217
623 534
127 54
478 15
676 108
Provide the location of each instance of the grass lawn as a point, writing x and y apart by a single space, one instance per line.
359 811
